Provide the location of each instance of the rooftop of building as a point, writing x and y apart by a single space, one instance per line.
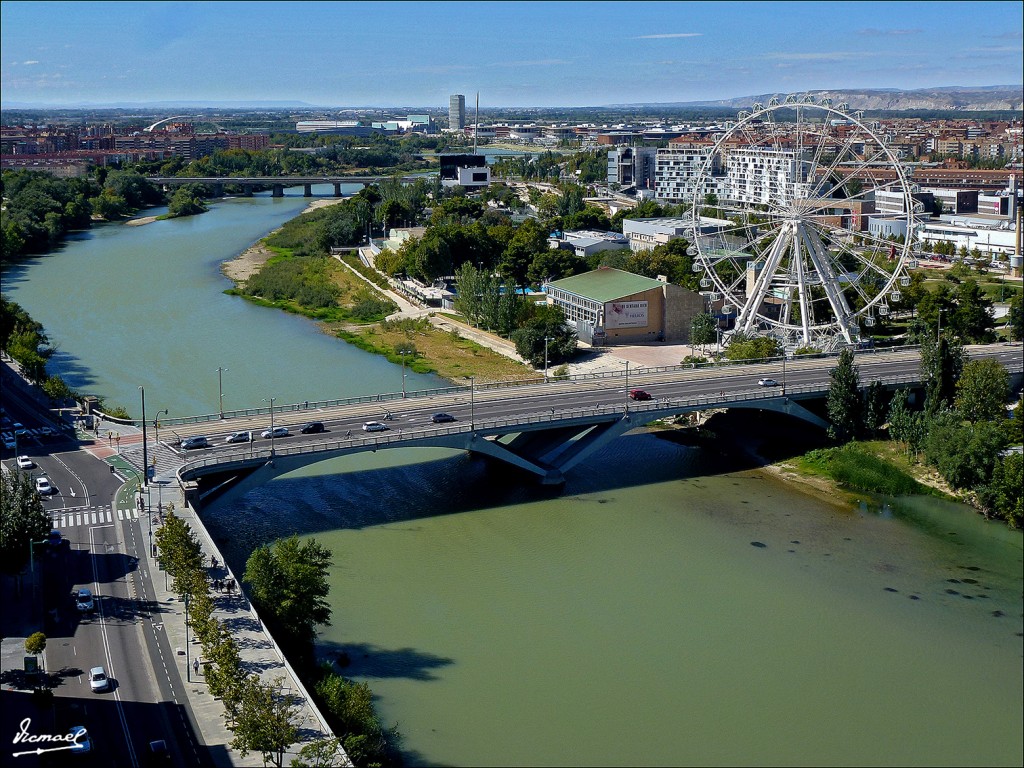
606 284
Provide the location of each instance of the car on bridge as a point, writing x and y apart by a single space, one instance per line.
767 383
197 441
639 394
374 426
313 427
245 436
275 432
442 418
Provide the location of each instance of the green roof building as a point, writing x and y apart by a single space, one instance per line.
611 306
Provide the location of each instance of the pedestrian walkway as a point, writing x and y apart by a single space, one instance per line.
259 653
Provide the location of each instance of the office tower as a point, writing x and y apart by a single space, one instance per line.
456 112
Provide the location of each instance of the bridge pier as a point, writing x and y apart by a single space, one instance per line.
337 189
218 190
307 190
247 190
277 190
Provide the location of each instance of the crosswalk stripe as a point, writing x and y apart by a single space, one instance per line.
63 521
135 514
110 517
94 518
120 515
78 517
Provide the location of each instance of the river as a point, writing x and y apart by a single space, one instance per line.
667 606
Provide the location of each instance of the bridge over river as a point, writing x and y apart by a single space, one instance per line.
277 184
544 428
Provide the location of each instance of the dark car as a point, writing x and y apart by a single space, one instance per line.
198 441
639 394
442 418
312 428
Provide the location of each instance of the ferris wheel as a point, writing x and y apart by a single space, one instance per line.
780 240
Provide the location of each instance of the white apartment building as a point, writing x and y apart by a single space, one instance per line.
677 168
759 176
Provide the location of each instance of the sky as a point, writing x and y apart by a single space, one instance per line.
515 54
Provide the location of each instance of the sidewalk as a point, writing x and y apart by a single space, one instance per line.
259 653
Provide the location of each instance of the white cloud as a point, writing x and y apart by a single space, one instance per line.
529 63
816 56
668 35
29 62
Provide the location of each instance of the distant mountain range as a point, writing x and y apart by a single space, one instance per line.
959 98
954 97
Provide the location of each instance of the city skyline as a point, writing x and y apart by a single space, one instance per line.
514 54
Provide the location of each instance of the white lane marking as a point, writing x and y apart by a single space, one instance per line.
120 514
94 518
74 475
78 517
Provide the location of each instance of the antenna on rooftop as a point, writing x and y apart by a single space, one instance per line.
476 124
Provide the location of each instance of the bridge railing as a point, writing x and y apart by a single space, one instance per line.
391 397
375 440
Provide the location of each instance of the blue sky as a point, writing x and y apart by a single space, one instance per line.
514 54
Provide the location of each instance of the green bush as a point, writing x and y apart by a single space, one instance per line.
857 469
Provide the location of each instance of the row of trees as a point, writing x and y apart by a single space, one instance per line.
962 430
22 520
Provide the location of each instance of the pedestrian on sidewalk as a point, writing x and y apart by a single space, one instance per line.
195 667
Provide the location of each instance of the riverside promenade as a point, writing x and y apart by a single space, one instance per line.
259 653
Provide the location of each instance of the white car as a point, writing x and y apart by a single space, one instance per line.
767 383
43 487
275 432
245 436
374 426
98 679
24 462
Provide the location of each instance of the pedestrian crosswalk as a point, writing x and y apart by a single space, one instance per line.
75 518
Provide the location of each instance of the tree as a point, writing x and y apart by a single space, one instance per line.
180 553
185 202
972 319
35 643
289 584
942 362
268 720
843 401
322 753
743 347
1016 317
22 520
1003 496
905 425
703 329
964 454
982 391
548 322
876 408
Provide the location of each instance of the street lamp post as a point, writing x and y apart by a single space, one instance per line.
783 371
403 354
145 455
472 403
546 340
220 389
271 399
32 563
188 664
938 329
627 387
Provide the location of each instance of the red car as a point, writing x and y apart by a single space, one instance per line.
639 394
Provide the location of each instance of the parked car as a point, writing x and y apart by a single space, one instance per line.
47 431
55 538
43 486
197 441
313 427
374 426
245 436
275 432
24 462
767 383
84 601
19 429
442 418
98 679
80 741
639 394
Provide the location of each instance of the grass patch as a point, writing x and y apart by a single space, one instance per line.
857 467
446 354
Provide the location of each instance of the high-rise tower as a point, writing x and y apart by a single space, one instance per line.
456 112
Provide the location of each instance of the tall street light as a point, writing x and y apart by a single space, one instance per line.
145 454
472 403
403 353
938 330
156 425
188 664
546 340
271 400
627 387
220 389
